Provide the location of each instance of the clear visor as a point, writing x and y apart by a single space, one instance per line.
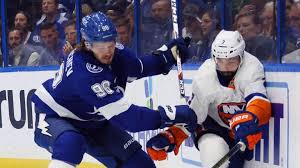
103 46
104 51
227 64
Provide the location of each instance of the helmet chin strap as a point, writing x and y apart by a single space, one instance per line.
241 59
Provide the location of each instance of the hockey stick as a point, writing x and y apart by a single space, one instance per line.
174 50
178 59
240 146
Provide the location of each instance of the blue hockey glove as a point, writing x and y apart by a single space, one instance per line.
166 141
168 52
245 128
180 115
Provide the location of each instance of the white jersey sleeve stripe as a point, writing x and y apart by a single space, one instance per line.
115 108
44 95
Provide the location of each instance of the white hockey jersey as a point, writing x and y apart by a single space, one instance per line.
247 92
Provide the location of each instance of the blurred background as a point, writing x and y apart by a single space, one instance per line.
43 32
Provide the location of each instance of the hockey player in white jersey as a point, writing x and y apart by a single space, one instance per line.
83 109
230 100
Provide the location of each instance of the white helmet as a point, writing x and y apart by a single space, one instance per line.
228 44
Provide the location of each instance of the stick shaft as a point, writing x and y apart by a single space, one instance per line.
238 147
179 65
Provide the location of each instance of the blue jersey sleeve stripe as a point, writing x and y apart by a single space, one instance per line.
115 108
45 96
249 97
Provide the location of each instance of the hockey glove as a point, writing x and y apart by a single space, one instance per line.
180 115
166 141
245 128
169 51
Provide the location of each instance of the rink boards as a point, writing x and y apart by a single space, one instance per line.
279 147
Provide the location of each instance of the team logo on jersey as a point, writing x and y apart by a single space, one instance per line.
36 39
119 46
227 110
93 68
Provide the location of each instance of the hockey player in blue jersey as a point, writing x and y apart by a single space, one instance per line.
82 110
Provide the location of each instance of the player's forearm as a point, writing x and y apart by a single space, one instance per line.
156 64
137 119
259 105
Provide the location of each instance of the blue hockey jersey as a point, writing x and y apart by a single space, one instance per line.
85 91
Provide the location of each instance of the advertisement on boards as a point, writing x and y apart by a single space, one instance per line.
277 149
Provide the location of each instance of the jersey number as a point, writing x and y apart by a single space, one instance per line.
102 89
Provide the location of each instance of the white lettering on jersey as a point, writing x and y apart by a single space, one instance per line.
69 70
102 89
93 68
69 64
